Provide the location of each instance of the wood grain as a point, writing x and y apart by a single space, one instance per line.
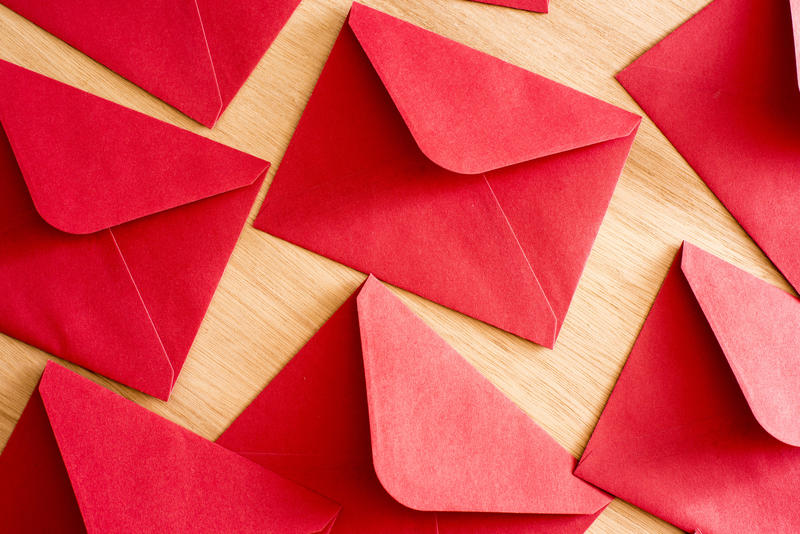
274 295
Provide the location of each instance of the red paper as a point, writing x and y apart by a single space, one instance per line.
83 459
529 5
193 54
115 229
723 88
406 434
702 426
371 178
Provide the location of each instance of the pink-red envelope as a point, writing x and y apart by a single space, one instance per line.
723 88
85 460
449 173
193 54
115 229
528 5
703 426
380 414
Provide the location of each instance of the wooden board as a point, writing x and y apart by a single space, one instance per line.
274 295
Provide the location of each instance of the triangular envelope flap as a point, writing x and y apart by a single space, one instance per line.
316 406
470 112
36 494
443 437
91 164
133 471
159 45
756 327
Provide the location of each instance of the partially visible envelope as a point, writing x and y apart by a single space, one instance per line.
83 459
703 426
115 229
193 54
380 414
529 5
449 173
724 90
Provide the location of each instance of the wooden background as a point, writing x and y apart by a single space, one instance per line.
274 295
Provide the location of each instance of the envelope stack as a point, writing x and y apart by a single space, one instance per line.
116 228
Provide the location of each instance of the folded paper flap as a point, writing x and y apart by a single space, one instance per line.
160 45
186 483
91 164
755 324
69 399
60 390
443 437
470 112
316 406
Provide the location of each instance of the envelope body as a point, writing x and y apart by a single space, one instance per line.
379 414
723 88
702 427
193 54
115 229
449 173
83 459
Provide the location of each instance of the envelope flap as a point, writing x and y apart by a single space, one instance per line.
756 327
470 112
91 164
443 437
133 471
40 498
316 406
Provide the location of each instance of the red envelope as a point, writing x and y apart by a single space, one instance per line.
83 459
703 426
450 173
723 88
115 229
528 5
380 414
193 54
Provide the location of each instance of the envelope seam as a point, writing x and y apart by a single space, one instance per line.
635 65
524 255
211 61
144 307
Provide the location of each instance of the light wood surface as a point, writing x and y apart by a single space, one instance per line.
274 295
